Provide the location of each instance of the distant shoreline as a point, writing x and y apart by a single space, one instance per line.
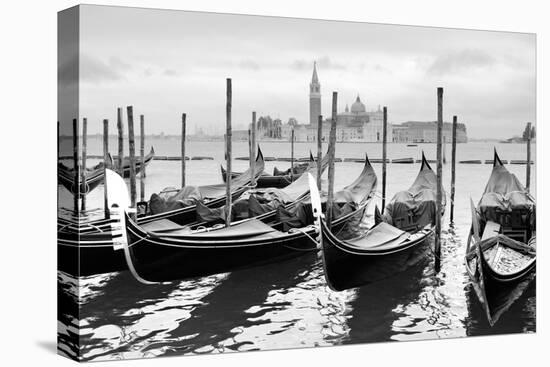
216 139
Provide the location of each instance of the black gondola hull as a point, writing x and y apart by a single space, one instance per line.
86 260
497 292
159 261
345 270
95 177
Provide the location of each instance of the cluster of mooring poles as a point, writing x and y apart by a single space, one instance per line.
79 163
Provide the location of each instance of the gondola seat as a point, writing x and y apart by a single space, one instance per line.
491 229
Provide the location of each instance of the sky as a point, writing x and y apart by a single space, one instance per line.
166 62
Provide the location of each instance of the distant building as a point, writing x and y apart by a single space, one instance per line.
239 135
358 124
426 132
269 128
355 124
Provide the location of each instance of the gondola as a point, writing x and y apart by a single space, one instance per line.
278 179
212 196
66 178
94 175
158 255
396 241
87 248
501 248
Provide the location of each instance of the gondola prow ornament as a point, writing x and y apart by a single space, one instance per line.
118 201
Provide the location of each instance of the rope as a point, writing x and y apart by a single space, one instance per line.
378 195
303 231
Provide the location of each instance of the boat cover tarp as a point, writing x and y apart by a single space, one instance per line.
252 203
302 215
345 201
382 237
415 207
260 201
171 199
160 225
246 229
504 193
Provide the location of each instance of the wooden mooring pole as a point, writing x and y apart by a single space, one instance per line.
250 155
83 172
120 128
384 156
439 192
253 150
453 170
58 139
528 169
292 155
142 158
319 150
183 137
228 137
76 167
332 153
444 150
132 148
250 149
105 166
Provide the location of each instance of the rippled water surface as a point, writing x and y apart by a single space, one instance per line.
288 304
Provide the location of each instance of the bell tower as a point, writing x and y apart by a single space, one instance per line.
314 97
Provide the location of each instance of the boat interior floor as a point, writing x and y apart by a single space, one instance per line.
502 257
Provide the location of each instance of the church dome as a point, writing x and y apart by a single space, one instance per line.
358 106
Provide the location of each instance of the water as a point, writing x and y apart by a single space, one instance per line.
288 304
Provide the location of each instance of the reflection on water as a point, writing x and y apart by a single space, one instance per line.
282 305
287 304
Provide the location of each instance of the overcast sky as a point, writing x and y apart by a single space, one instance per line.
168 62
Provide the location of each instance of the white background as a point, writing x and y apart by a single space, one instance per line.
28 202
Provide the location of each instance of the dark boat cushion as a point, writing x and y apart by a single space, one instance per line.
171 199
415 208
252 203
345 201
256 207
409 211
506 201
302 214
